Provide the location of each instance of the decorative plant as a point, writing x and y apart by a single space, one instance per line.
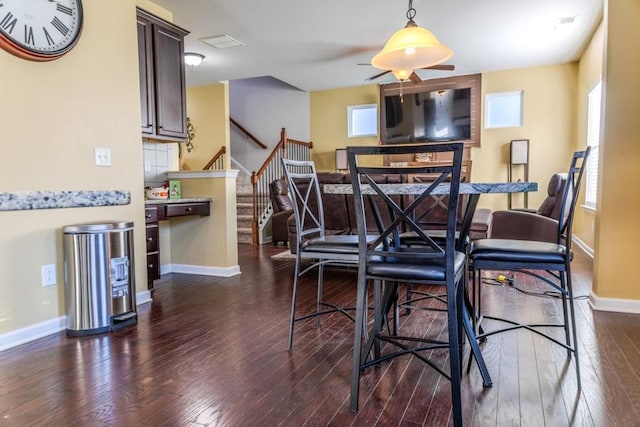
191 134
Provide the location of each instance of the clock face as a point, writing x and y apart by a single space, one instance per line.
40 30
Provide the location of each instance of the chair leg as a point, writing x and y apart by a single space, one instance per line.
377 316
573 325
460 310
361 303
454 354
407 310
565 314
293 301
319 297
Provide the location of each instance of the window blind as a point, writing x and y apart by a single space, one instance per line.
593 140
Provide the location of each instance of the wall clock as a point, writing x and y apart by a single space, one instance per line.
40 30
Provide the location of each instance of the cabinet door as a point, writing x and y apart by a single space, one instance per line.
169 82
145 59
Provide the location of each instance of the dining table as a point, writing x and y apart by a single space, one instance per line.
473 190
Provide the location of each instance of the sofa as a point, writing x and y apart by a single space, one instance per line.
339 212
282 210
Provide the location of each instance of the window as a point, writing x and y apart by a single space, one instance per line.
503 109
593 140
362 120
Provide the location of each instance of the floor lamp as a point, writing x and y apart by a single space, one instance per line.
519 155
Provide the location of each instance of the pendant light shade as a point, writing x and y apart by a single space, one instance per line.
411 48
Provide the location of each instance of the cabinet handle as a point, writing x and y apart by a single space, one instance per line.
149 239
150 266
189 209
148 216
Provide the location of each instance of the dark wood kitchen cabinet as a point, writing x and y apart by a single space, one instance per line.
162 81
153 245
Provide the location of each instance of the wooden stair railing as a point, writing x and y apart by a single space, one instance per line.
217 161
248 134
271 170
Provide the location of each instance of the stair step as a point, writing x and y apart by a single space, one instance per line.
244 235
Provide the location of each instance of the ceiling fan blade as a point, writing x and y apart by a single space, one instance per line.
378 75
442 67
415 78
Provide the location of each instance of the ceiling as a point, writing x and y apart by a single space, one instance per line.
317 44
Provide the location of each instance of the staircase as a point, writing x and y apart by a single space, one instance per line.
244 210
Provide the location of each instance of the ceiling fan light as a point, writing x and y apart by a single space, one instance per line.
402 74
411 48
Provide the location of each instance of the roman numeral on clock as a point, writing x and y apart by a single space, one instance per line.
28 35
8 23
64 9
47 36
60 26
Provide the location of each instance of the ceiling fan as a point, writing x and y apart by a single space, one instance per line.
412 75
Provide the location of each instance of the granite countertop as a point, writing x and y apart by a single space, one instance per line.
28 200
413 188
183 200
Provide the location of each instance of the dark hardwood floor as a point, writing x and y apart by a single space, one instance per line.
212 351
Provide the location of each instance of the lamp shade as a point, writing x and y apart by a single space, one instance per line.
411 48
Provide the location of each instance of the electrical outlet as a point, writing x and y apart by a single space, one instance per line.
48 275
102 156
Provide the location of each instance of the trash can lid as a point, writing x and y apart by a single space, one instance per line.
98 227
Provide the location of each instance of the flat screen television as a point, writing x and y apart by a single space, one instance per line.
436 110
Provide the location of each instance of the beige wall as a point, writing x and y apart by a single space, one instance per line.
618 204
548 123
208 109
54 115
329 122
208 241
589 73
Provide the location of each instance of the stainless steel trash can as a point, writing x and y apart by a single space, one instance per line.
99 277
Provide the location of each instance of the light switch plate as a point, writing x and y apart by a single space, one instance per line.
102 156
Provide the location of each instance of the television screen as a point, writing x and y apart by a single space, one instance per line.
433 116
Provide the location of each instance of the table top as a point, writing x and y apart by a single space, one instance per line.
418 188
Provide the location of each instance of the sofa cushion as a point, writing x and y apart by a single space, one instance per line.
279 197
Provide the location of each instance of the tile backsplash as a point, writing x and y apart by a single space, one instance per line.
158 159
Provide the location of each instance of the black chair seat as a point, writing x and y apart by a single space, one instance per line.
412 269
523 251
439 236
334 244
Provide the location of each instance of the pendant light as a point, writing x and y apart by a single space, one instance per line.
411 48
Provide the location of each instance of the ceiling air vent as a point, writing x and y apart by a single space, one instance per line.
222 42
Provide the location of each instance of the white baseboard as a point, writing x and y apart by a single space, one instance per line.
616 305
582 245
32 332
202 270
143 297
48 327
597 303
